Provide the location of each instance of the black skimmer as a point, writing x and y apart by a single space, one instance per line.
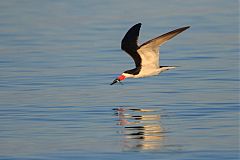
145 56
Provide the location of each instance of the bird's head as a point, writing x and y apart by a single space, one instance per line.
118 79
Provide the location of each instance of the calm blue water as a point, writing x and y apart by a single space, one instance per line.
57 59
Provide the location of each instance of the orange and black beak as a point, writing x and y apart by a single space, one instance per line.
118 79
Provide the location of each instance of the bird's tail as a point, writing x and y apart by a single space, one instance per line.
165 68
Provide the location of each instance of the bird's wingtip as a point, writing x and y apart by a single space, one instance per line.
138 24
184 28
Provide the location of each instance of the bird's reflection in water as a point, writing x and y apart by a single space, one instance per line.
140 127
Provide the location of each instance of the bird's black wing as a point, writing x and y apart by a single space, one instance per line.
129 43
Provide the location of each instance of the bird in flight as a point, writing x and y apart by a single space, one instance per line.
145 56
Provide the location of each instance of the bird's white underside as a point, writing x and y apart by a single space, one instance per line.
150 63
149 70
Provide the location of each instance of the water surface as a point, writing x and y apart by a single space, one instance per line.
57 59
